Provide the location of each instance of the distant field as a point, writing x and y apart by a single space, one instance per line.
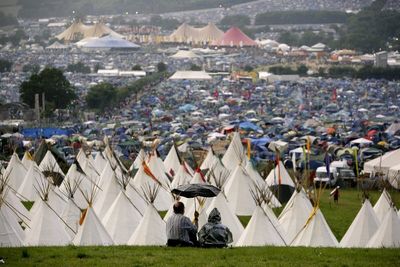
339 218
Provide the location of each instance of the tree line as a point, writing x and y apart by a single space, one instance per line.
301 17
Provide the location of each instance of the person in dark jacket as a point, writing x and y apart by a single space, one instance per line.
214 233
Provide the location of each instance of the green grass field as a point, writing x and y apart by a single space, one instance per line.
339 218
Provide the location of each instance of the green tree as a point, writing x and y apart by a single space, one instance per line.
248 68
32 68
78 68
235 20
302 70
6 20
101 96
5 65
288 38
168 24
161 67
137 67
195 67
59 93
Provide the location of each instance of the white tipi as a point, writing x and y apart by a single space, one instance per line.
151 230
388 233
316 232
383 205
46 227
362 228
295 214
91 232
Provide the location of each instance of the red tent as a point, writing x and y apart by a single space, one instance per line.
235 37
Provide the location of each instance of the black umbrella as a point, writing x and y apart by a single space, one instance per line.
196 190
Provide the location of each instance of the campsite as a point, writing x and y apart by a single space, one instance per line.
199 133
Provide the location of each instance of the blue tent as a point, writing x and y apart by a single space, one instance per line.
248 126
45 132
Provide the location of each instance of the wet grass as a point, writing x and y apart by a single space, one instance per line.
163 256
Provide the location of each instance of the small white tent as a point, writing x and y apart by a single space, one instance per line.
260 231
316 232
362 228
383 205
388 233
151 230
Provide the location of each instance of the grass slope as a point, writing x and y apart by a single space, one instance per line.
162 256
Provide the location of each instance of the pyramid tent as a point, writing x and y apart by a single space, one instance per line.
172 161
71 216
238 192
27 160
27 188
157 168
198 178
56 200
46 228
99 162
74 176
283 189
91 231
181 177
151 230
260 231
235 154
136 198
143 179
234 37
217 173
228 217
362 228
383 205
74 32
17 206
49 163
207 162
11 234
256 177
106 197
209 34
15 172
141 156
99 30
121 219
295 215
183 34
315 233
388 233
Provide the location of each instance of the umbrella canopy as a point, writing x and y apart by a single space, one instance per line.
196 190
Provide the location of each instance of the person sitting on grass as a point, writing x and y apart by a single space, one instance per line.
214 233
181 232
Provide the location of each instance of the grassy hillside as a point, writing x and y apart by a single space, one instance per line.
162 256
46 8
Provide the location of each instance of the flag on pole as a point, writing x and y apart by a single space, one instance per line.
279 167
248 148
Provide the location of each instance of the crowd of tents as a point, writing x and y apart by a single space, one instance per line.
100 201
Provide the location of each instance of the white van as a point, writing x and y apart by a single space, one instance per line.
339 170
